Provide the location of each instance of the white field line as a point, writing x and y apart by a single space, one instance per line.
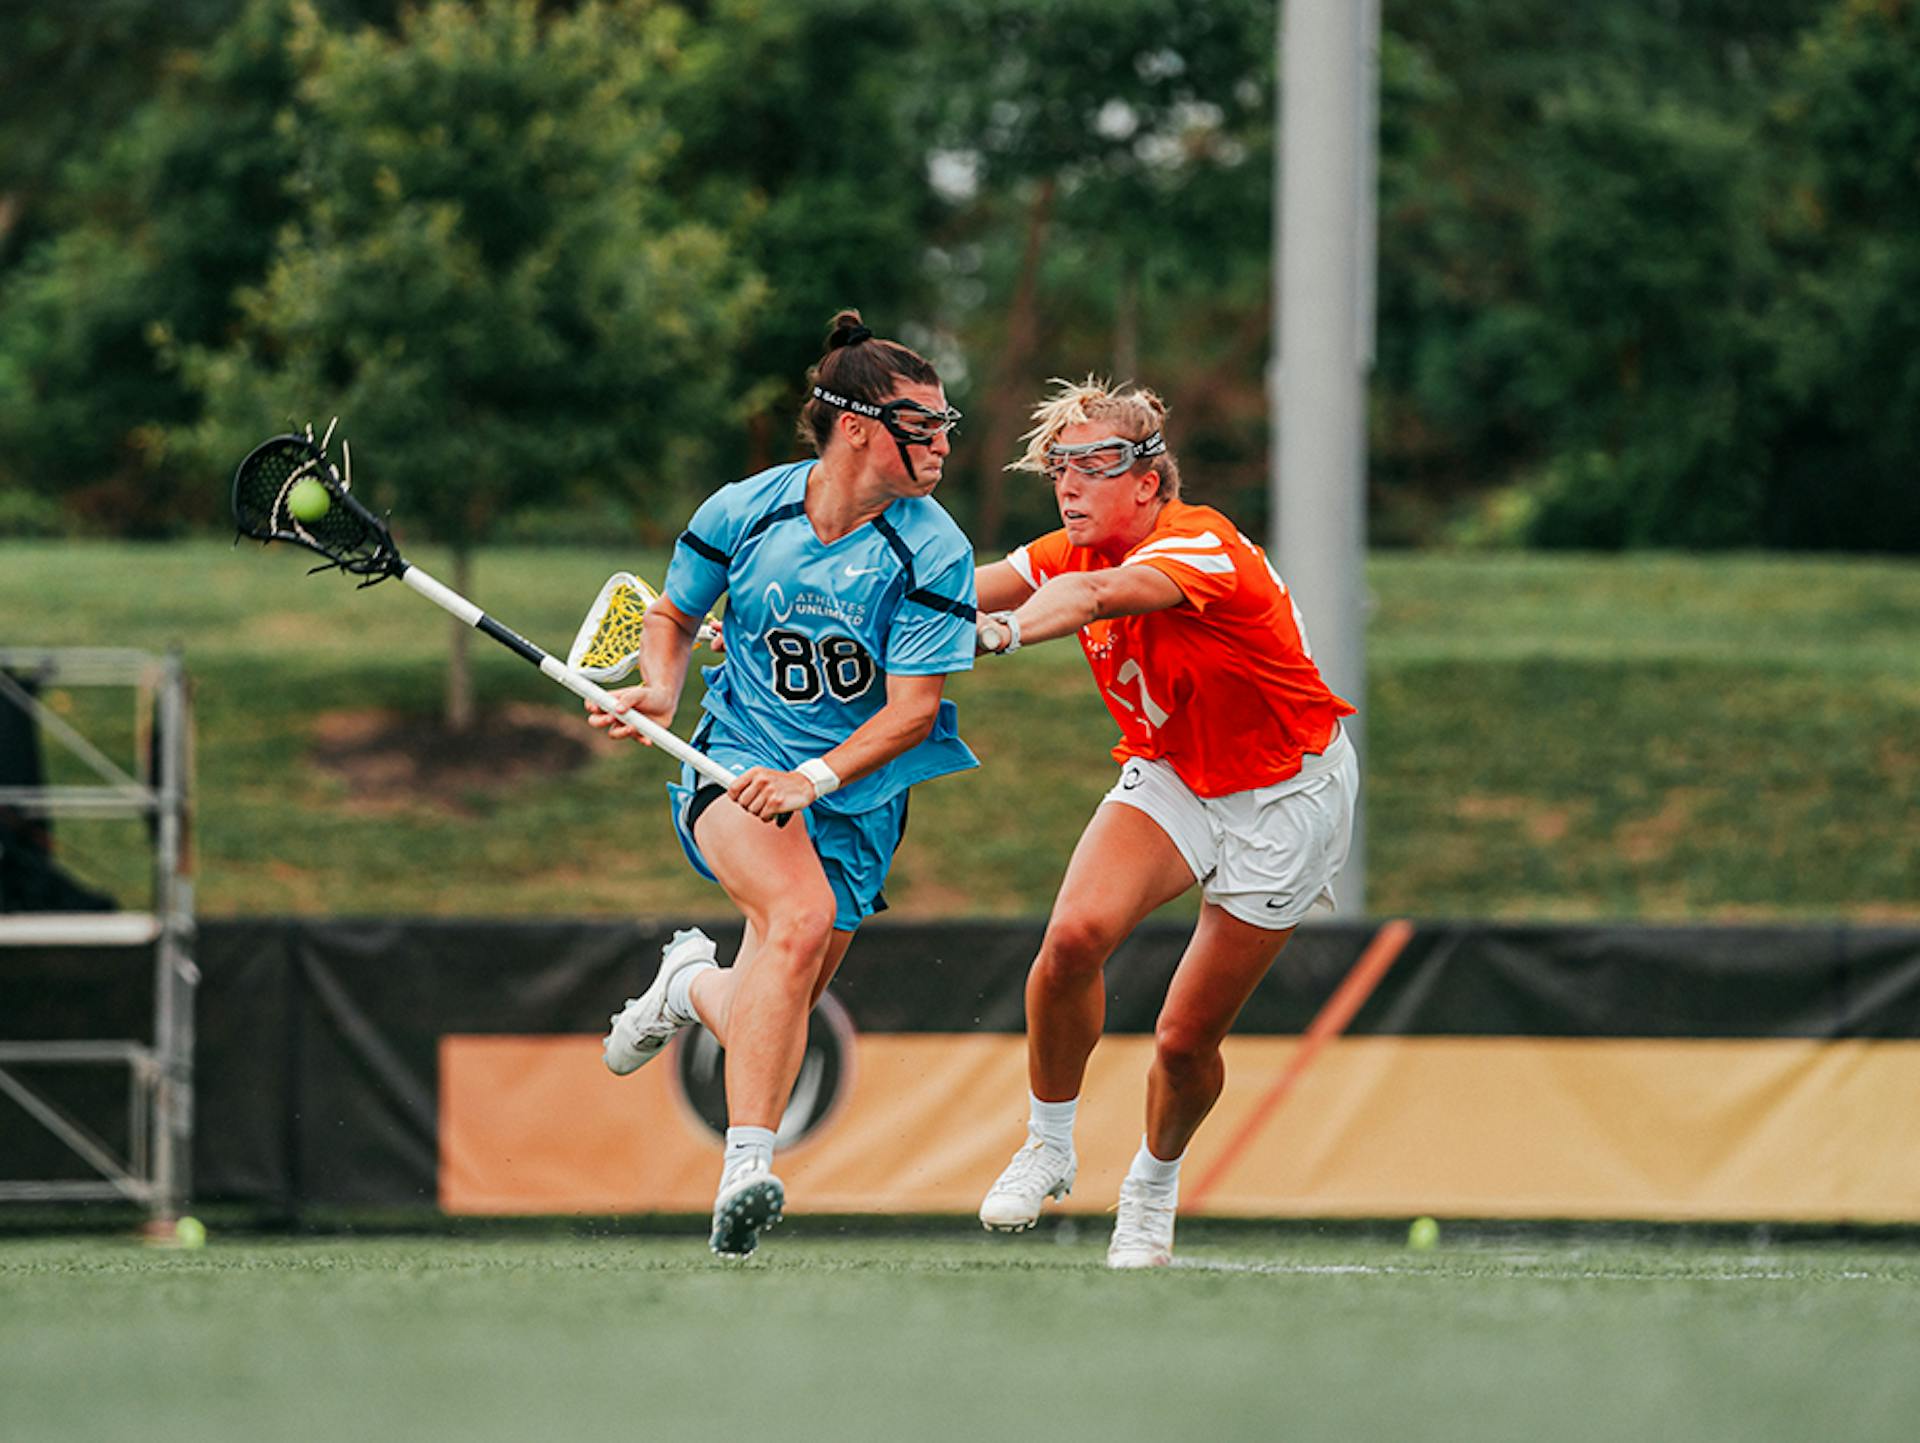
1536 1271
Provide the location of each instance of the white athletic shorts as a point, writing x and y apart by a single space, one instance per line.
1268 855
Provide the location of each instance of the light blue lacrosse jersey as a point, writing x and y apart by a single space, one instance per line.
814 630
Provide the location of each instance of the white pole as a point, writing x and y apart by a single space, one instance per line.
1323 341
452 602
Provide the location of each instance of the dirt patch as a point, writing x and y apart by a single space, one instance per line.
1883 914
1651 839
392 759
1542 823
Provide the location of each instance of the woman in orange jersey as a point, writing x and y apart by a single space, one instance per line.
1234 775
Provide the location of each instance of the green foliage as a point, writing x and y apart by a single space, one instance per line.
82 299
482 277
72 74
1649 272
1645 370
1607 272
1845 328
23 514
174 211
797 143
1109 168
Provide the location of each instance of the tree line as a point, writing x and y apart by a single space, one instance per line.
1649 271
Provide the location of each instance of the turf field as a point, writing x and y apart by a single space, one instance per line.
831 1336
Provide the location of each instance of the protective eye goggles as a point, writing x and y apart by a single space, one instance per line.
1111 457
908 422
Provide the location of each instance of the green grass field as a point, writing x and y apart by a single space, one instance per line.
1257 1336
1562 737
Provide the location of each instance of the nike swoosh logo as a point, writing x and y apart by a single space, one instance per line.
1274 906
862 571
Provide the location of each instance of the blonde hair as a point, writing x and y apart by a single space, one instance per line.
1134 412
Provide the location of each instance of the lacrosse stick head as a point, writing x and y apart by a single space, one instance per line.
606 649
351 537
607 646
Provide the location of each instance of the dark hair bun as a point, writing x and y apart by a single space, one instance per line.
853 371
847 331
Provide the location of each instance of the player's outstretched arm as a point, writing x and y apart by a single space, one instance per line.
1066 603
1000 586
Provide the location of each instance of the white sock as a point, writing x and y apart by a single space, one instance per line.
1157 1173
680 1006
749 1145
1053 1121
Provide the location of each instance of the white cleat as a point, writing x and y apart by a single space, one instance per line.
1037 1172
1143 1233
751 1200
644 1026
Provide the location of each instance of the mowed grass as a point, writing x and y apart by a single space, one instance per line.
1658 737
948 1337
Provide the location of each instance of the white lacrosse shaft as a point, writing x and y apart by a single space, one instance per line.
453 602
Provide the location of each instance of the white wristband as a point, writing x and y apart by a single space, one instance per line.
1012 624
823 777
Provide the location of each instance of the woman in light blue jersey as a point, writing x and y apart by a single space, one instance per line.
850 598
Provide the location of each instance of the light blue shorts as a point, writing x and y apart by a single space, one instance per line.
856 850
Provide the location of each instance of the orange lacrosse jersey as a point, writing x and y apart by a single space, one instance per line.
1221 687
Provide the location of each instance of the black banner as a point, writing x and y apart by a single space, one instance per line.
318 1040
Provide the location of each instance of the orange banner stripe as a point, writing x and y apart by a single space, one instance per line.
1332 1019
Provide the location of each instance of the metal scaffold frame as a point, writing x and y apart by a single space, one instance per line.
156 1170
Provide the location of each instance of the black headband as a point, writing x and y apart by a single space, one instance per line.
847 403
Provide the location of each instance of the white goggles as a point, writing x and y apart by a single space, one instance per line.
1111 457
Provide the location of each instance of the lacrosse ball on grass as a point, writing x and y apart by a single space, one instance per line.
308 501
190 1233
1423 1235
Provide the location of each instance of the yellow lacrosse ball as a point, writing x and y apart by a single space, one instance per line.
308 501
1423 1235
189 1233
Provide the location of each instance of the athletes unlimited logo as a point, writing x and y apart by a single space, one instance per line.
826 1075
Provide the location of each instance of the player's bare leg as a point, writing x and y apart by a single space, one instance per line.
1223 964
690 987
710 992
1218 973
773 876
1123 868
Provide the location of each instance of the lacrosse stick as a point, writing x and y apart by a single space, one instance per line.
354 540
607 646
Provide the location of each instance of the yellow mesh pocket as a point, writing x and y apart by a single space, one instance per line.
617 637
607 647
